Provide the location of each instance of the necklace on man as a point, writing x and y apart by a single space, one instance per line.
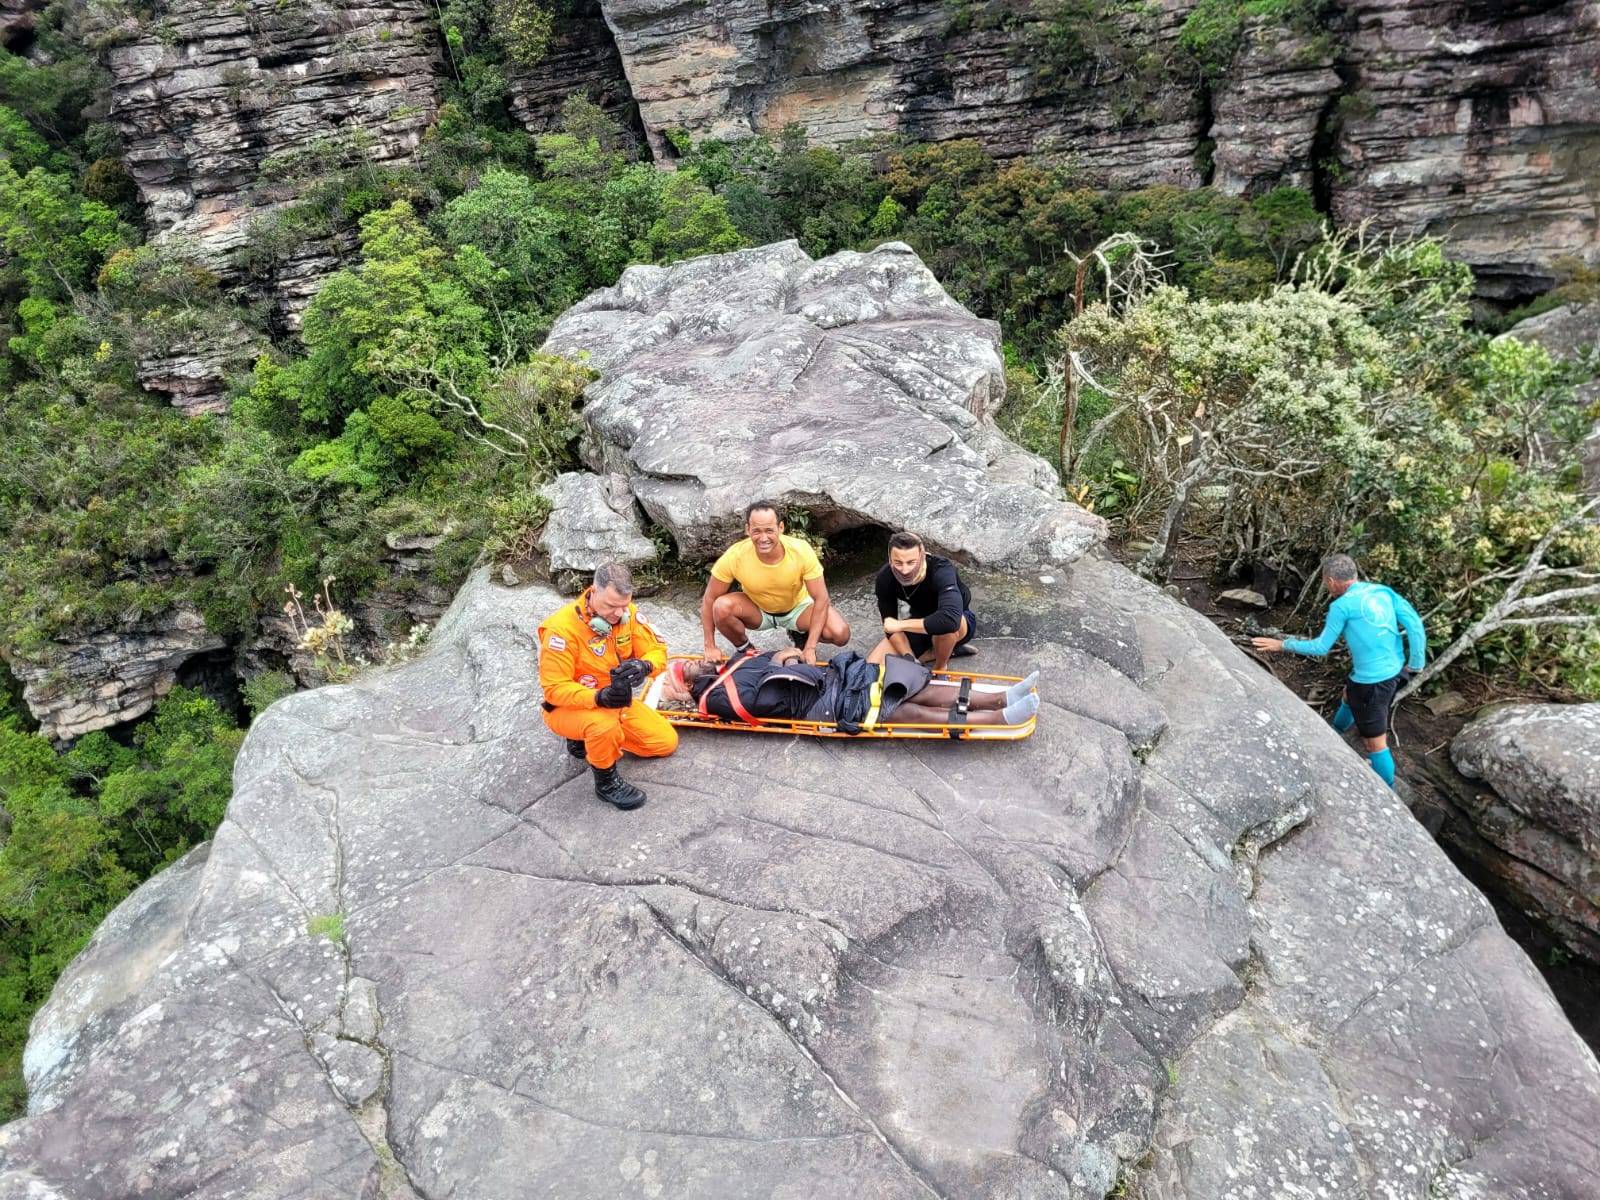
915 583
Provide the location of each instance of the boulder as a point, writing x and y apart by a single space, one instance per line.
1180 933
852 387
1544 759
1543 763
1568 331
1248 597
111 676
593 520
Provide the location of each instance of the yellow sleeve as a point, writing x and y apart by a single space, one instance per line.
726 568
557 666
648 646
810 564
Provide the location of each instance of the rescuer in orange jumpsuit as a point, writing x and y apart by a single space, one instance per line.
592 654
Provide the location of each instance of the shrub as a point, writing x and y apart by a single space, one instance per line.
266 689
1354 410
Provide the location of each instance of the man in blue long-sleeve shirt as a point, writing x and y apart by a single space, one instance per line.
1370 617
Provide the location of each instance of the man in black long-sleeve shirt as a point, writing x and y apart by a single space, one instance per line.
941 622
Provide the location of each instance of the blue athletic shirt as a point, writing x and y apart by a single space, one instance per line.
1370 616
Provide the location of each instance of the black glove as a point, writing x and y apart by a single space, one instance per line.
632 672
616 694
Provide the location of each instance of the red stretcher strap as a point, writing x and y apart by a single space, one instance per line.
725 678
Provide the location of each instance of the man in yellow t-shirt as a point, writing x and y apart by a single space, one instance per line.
783 588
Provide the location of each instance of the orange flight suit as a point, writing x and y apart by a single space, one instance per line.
574 660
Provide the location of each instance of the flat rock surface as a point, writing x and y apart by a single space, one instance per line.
1181 938
853 385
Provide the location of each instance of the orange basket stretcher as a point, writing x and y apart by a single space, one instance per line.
690 718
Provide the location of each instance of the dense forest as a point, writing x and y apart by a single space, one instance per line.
1222 373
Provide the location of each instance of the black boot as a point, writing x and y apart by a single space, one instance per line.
797 638
575 747
611 788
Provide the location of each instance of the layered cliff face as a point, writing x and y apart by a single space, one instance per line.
1476 122
582 59
214 104
108 677
924 70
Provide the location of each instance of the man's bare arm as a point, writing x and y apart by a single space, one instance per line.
715 588
820 604
909 625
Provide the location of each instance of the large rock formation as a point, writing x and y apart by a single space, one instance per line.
1182 937
730 69
853 386
111 676
1269 110
1543 763
215 102
1477 122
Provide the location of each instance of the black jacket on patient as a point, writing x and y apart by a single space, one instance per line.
839 691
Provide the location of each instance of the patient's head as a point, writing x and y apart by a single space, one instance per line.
682 675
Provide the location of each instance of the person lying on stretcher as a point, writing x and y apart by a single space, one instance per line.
779 685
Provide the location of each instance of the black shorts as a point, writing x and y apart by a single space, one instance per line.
1371 703
922 643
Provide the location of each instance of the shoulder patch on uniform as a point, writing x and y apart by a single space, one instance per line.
556 643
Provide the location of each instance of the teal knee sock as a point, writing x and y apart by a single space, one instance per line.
1383 763
1344 718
